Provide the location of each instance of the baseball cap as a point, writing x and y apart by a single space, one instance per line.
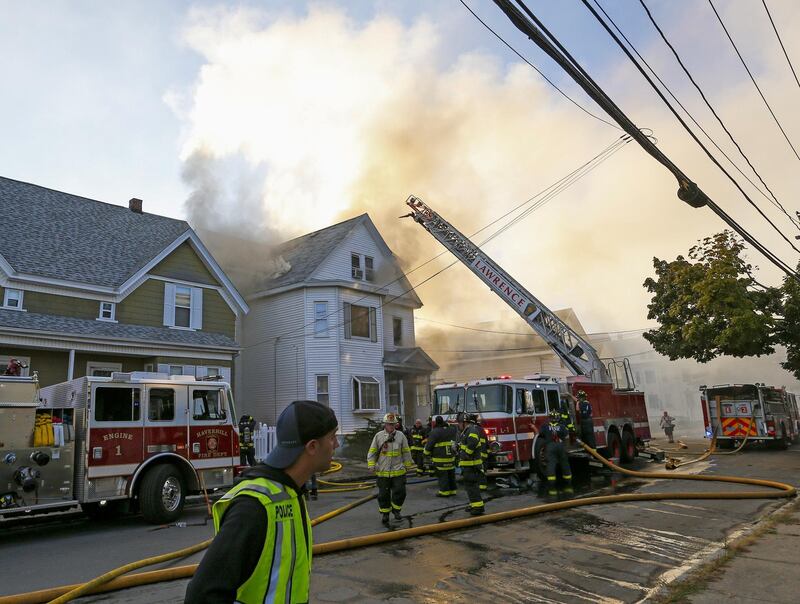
299 423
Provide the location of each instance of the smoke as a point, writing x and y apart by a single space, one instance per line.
319 117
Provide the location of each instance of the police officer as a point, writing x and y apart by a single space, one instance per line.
418 436
247 445
389 456
554 434
440 445
242 564
584 411
469 454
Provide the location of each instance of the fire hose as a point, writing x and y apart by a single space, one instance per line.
112 581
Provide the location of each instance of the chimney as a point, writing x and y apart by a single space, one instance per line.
135 205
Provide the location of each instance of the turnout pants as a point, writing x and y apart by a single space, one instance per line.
557 460
247 457
391 493
587 433
472 478
418 455
483 484
447 480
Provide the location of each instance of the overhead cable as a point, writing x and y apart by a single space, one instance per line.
783 48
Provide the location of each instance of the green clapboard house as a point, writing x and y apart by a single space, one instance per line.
88 288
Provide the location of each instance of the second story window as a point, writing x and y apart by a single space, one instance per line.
360 322
320 319
12 298
362 268
397 331
183 306
107 310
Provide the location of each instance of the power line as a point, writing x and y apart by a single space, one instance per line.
688 192
747 69
694 136
515 333
773 200
537 70
785 54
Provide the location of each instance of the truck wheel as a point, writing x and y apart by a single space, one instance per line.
614 447
628 447
162 494
539 460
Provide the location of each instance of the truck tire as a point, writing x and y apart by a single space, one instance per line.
162 494
539 461
614 446
628 447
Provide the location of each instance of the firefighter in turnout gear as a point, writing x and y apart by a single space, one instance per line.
469 460
554 434
389 456
484 483
418 437
247 445
584 412
440 447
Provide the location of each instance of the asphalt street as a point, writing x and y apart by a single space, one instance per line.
611 553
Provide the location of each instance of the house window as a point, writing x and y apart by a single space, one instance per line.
107 311
366 393
183 306
176 369
362 268
99 369
213 372
360 322
320 319
23 367
13 299
322 390
162 405
397 331
148 367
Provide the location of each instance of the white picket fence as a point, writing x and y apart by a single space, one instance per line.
264 439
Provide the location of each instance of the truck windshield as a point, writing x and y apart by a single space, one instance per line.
747 392
494 397
448 401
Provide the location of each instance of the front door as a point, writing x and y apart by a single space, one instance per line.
165 421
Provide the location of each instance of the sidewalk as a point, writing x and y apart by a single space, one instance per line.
762 567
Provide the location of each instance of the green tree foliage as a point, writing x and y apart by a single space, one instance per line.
710 304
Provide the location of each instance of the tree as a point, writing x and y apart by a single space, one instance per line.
710 304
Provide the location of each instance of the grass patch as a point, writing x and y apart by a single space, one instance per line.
698 579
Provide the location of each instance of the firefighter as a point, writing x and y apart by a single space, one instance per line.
564 417
440 447
389 456
469 453
584 412
554 434
418 437
263 544
483 484
247 445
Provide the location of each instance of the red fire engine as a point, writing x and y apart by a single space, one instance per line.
145 438
511 409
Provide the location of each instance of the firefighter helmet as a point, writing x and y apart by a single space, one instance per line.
472 417
390 418
581 394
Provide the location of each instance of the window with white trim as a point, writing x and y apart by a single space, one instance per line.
397 331
362 268
12 298
366 393
323 395
24 364
360 322
107 311
183 306
320 319
176 369
100 369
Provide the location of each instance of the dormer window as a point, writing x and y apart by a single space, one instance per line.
362 267
12 298
107 311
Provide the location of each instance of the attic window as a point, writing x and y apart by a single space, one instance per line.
106 311
13 299
362 268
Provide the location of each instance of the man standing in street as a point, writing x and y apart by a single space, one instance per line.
667 423
585 417
389 456
263 543
469 460
418 437
440 445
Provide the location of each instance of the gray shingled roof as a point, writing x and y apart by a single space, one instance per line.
33 322
306 253
51 234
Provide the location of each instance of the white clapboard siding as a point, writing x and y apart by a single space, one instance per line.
406 314
322 350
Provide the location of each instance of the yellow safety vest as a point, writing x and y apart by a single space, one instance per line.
284 568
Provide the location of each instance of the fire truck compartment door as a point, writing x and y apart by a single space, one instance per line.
166 429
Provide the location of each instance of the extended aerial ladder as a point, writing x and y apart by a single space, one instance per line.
576 353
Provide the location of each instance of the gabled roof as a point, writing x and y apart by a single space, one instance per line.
410 359
54 235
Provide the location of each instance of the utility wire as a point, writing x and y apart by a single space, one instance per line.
536 69
688 191
686 127
555 189
747 69
516 333
773 200
785 54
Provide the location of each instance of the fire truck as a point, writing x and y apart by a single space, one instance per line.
511 410
142 439
757 412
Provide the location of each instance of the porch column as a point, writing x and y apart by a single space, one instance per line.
71 366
